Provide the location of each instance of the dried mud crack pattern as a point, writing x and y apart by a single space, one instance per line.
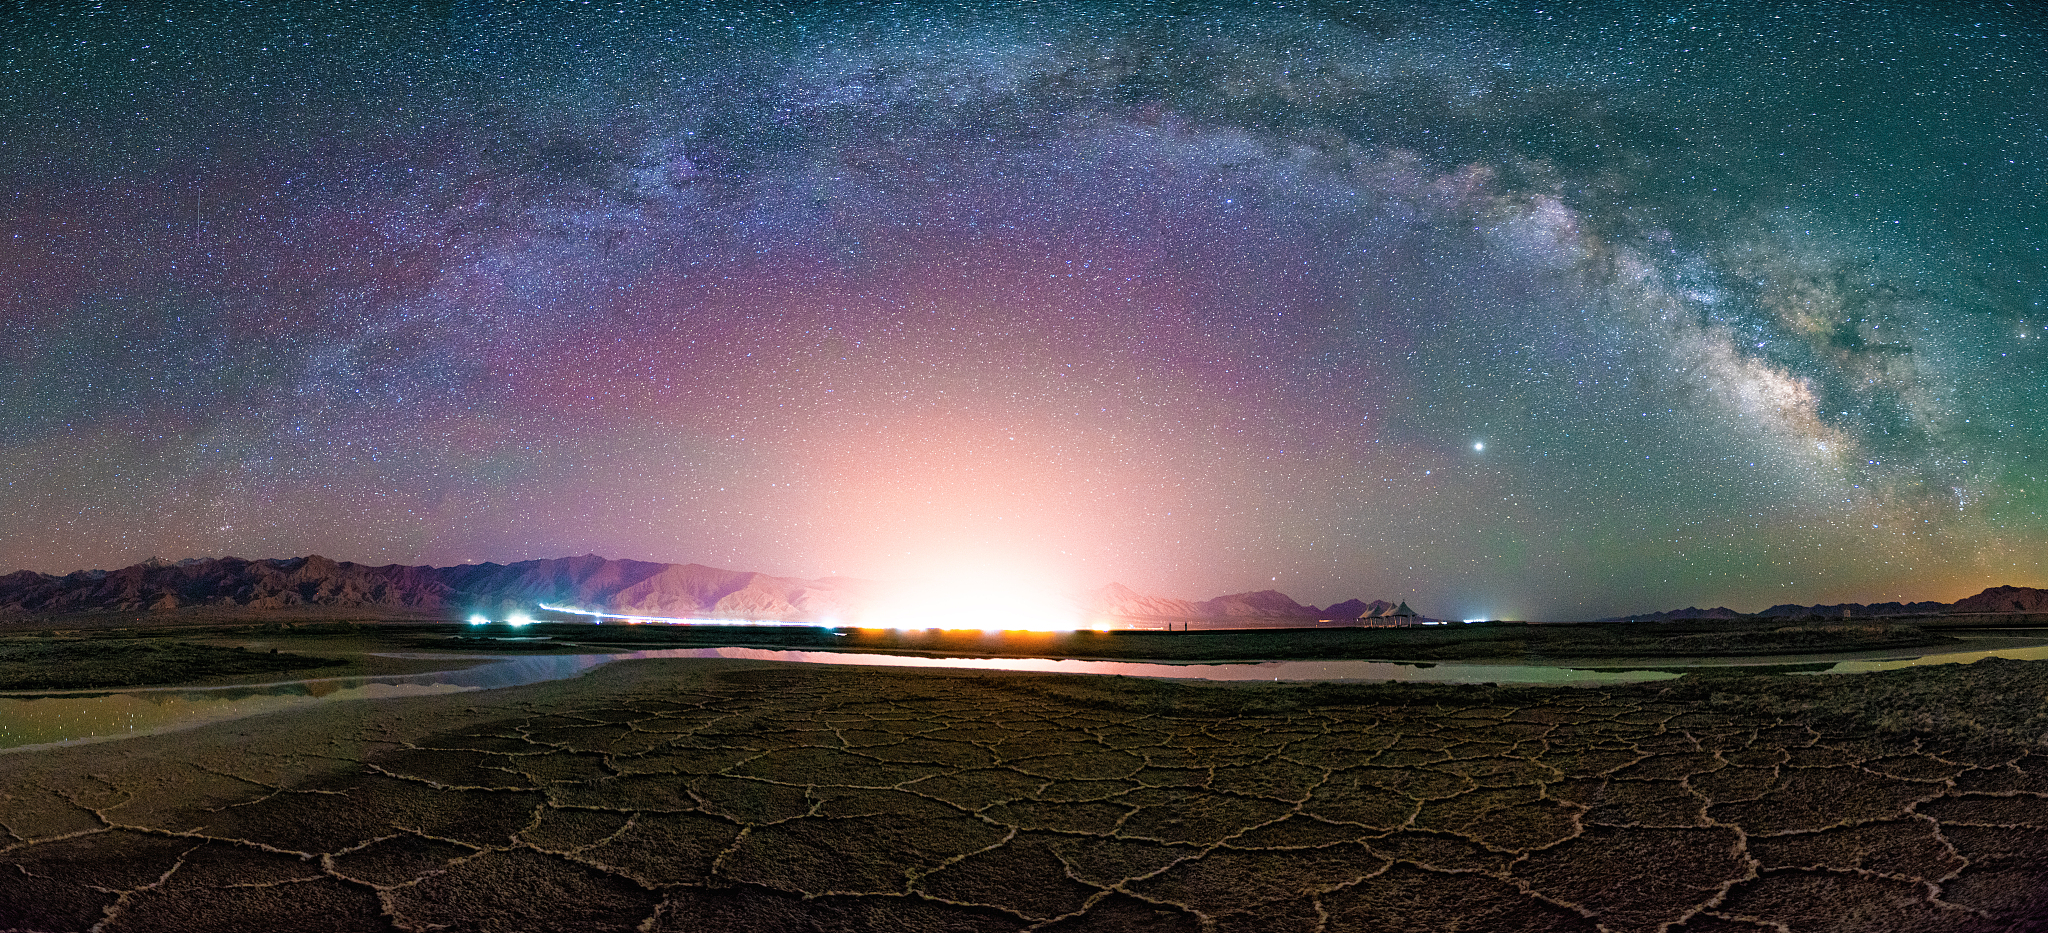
780 799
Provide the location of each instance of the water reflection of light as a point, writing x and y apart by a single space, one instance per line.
1291 671
35 719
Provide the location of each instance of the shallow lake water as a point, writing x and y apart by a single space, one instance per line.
1867 665
39 719
75 716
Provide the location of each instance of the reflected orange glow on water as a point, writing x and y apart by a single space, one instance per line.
33 720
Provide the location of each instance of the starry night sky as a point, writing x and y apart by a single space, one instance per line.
1504 310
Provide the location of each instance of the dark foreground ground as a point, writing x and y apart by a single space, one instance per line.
736 796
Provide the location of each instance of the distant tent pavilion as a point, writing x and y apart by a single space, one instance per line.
1382 614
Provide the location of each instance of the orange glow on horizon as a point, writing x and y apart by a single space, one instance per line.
976 598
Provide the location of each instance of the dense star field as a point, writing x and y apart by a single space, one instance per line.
1503 310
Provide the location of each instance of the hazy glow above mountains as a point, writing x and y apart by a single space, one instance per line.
1506 312
988 600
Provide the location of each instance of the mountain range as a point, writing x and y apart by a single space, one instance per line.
1994 600
630 587
625 587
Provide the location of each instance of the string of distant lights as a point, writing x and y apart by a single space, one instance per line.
520 619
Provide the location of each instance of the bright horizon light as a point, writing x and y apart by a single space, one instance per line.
980 597
972 597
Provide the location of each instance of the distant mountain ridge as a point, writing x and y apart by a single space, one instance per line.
631 587
588 582
2005 599
1994 600
626 587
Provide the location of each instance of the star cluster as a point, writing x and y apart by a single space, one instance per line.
1504 310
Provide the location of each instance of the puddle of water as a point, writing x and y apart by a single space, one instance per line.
28 721
2036 653
98 716
42 720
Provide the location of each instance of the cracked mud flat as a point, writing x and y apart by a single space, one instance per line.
737 796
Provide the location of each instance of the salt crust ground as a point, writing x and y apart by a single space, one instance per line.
733 796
